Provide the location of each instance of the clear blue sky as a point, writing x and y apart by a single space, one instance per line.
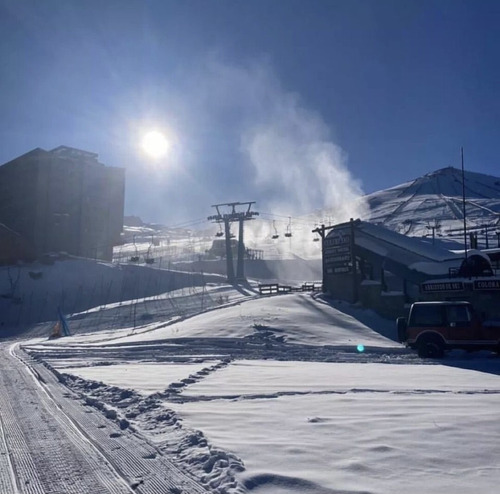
398 85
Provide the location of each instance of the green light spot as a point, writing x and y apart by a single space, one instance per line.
361 348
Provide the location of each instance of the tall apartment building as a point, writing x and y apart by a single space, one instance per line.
63 200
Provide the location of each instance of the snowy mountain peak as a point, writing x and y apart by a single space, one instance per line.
448 182
435 201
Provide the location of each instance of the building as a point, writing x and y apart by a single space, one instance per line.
63 200
384 270
12 247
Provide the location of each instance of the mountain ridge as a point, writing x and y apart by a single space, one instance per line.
434 203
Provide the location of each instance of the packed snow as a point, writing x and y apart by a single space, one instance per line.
286 393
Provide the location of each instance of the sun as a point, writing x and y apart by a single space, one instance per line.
155 144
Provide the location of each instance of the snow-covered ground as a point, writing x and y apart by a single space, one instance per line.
287 394
339 427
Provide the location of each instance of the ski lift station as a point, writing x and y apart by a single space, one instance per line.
385 270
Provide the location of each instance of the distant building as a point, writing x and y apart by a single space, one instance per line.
63 200
132 221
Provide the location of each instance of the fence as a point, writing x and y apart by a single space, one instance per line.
98 296
276 288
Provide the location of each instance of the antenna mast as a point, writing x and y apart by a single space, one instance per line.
463 201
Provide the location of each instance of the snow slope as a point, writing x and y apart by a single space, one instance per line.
294 393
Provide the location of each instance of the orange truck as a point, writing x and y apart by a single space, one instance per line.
434 327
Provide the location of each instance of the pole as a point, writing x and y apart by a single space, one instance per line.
322 233
353 261
463 201
229 252
240 269
227 218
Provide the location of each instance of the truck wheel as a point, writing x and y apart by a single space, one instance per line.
430 347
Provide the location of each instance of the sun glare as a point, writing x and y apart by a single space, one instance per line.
155 144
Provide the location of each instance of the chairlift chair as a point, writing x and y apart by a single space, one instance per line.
135 257
288 232
275 236
220 233
148 259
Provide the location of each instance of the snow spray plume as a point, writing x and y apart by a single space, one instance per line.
298 169
253 140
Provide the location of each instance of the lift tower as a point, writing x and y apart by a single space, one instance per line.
231 215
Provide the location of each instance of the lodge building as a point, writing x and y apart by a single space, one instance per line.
62 200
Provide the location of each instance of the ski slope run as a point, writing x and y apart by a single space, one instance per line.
292 393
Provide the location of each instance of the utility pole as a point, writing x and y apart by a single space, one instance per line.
227 218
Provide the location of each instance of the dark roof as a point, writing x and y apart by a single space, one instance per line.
60 151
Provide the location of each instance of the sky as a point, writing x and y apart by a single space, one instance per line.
295 105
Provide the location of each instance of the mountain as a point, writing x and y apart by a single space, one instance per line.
434 202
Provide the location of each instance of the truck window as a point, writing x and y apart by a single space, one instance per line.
458 315
427 315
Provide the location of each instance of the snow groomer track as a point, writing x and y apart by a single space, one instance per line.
52 444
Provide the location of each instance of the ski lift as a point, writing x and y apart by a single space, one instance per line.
220 233
288 232
135 257
275 236
316 238
148 259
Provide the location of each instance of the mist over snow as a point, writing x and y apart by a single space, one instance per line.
296 162
240 135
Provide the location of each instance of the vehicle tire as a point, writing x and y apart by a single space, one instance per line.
430 347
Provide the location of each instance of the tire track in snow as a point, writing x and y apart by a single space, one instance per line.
248 348
278 394
7 474
48 454
214 467
136 461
